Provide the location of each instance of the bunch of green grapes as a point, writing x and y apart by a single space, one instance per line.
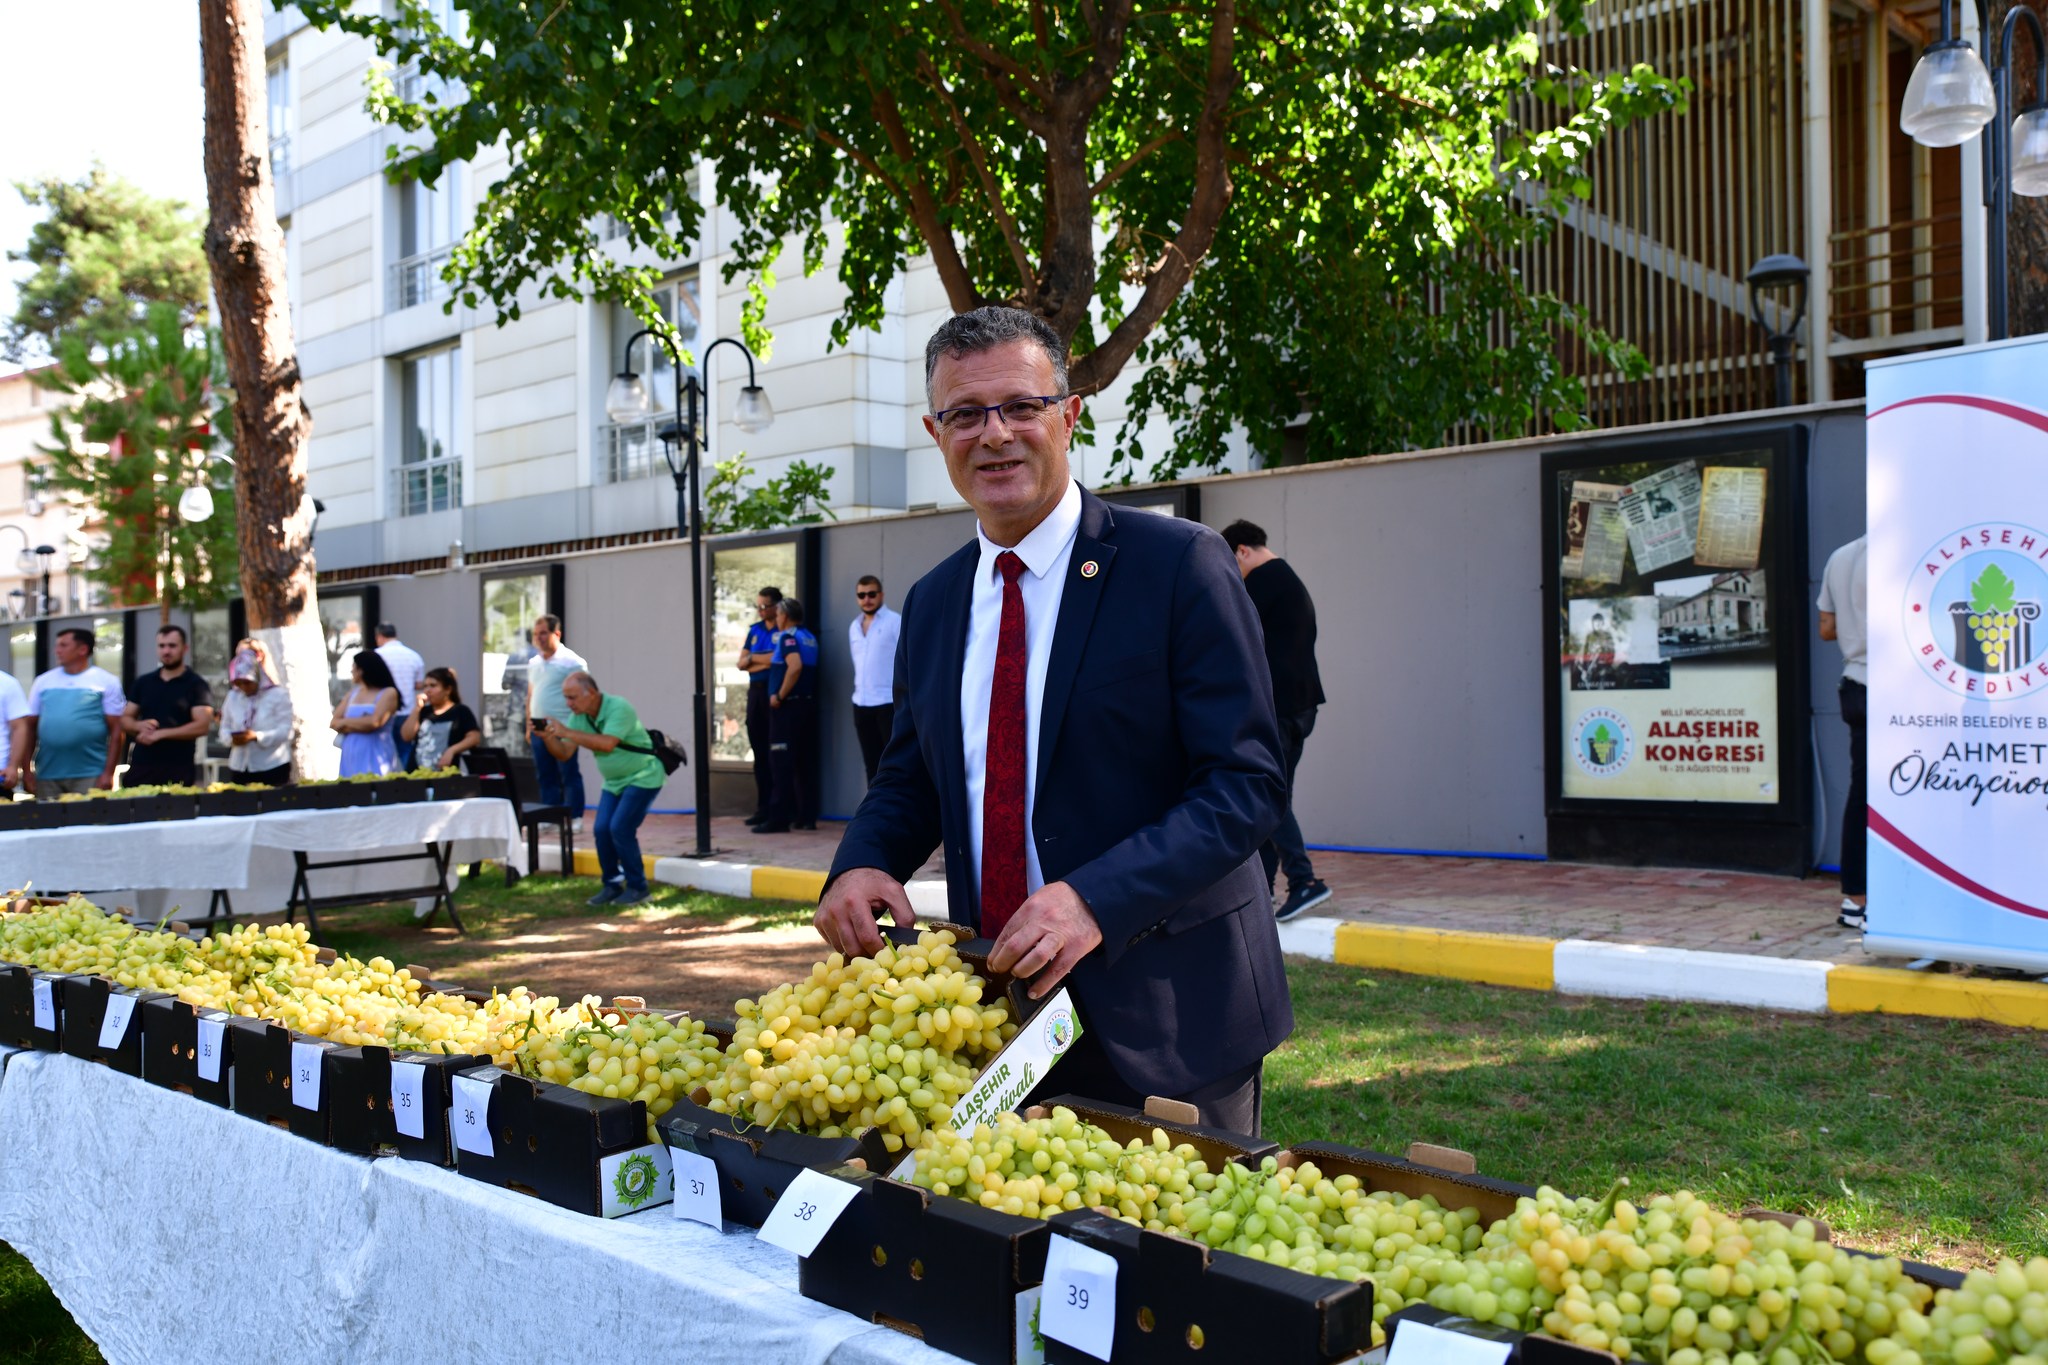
1678 1283
1036 1167
891 1042
1997 1315
644 1057
78 937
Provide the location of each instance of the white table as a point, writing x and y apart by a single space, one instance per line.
273 1248
161 865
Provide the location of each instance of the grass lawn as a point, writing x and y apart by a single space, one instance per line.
1923 1137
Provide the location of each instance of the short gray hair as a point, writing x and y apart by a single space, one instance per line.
984 329
584 681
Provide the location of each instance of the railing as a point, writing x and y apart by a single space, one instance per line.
631 450
417 279
429 486
280 154
1900 280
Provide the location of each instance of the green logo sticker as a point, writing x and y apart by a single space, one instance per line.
635 1181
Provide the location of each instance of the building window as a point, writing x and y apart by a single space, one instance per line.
429 475
430 220
279 80
346 633
633 450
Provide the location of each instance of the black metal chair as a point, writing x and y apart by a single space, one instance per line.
492 767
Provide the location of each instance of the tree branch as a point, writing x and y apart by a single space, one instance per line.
853 153
1026 278
1014 72
953 272
1175 265
1116 172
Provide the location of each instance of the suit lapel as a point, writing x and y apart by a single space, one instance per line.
959 602
1088 571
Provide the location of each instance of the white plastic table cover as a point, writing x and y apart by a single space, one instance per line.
177 864
272 1248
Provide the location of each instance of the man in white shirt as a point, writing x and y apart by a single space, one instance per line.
872 636
407 668
561 780
1843 620
15 744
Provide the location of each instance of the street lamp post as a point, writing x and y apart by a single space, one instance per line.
628 401
35 559
1951 96
1774 274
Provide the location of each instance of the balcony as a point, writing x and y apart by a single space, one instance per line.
631 450
280 155
417 279
428 486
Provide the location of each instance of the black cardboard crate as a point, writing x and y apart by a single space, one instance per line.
359 1113
261 1055
1445 1172
961 1277
16 1004
16 815
1528 1348
460 787
754 1167
1216 1145
580 1152
239 803
170 1046
86 1000
1179 1300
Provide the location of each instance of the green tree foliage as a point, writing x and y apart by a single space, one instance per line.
1274 206
147 416
797 498
104 252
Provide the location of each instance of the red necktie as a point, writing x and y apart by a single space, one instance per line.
1002 788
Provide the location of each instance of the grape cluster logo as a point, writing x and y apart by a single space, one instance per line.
1973 609
1602 743
635 1181
1059 1030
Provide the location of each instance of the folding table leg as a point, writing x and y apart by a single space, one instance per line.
442 853
302 892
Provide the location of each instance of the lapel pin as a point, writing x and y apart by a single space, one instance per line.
1090 569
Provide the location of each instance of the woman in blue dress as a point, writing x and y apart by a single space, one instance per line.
363 719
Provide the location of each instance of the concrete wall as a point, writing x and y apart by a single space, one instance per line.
1427 575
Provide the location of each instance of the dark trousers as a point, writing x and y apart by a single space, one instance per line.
399 742
1856 810
1285 850
793 755
873 724
560 780
757 740
280 776
1236 1102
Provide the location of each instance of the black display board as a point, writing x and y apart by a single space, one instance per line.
1676 714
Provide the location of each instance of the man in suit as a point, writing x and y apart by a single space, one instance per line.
1085 724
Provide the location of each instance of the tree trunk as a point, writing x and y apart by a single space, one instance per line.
245 247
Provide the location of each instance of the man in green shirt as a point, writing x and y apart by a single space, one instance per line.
610 728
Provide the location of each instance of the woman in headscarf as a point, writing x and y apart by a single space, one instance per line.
256 719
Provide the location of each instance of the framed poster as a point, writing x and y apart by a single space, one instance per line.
1675 691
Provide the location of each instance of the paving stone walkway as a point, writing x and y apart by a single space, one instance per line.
1724 912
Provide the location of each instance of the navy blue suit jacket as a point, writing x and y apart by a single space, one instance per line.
1158 778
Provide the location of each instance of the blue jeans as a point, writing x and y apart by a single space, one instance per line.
561 783
618 835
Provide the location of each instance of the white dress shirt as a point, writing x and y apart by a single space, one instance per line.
1045 553
874 656
407 668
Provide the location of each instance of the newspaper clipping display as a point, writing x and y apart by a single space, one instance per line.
1667 651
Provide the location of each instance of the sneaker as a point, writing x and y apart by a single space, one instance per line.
608 894
631 897
1300 898
1851 916
576 825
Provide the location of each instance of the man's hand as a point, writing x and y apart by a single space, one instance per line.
1050 932
146 733
104 782
241 737
846 916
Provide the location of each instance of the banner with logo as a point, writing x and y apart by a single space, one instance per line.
1958 499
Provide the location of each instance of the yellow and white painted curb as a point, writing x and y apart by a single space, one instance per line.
1632 971
1574 966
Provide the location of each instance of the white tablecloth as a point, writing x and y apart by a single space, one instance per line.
179 863
273 1248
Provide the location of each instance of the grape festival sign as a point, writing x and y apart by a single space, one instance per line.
1958 516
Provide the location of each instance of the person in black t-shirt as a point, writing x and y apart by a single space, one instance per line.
1288 618
440 729
168 712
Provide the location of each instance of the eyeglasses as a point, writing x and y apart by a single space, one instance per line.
864 596
1016 412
